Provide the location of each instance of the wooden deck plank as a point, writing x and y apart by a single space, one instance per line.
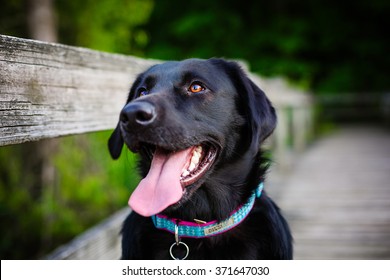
337 199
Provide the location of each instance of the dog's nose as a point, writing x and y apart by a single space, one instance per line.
141 113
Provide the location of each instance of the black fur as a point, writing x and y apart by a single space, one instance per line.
231 114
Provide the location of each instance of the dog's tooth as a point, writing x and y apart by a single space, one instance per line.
192 166
195 158
185 173
199 149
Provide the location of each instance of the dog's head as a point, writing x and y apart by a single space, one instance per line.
188 120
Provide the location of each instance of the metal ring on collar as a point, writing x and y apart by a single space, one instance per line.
180 243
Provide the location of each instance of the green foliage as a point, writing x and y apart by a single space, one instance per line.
324 45
106 25
89 187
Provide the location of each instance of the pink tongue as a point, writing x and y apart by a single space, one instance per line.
161 187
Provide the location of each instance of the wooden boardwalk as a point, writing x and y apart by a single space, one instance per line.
337 197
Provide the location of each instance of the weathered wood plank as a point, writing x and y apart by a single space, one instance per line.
49 90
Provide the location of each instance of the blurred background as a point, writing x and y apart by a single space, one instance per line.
53 190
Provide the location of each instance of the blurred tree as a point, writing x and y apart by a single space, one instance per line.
324 45
41 20
41 25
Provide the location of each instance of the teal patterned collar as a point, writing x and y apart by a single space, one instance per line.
200 229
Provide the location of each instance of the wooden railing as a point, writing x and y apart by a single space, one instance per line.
49 90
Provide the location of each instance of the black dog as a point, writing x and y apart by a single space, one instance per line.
197 126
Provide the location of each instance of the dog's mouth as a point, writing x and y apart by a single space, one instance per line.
202 157
170 175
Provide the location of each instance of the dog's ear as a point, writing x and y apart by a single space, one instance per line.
115 143
258 110
261 114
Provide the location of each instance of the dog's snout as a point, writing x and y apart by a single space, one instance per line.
138 113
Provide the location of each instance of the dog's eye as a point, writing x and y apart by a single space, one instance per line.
142 91
196 88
